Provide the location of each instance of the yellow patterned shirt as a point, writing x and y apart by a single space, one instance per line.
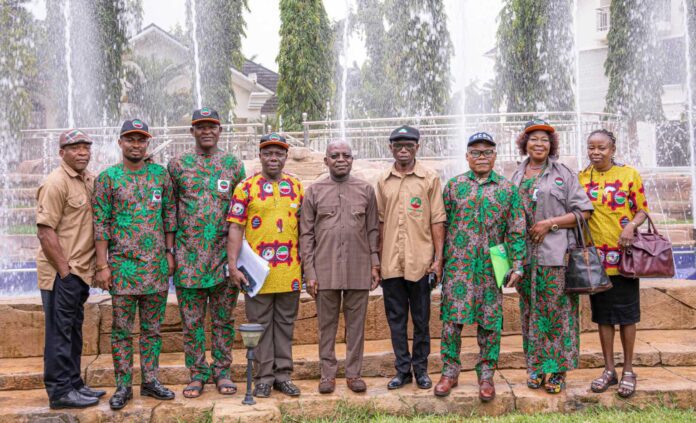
617 195
269 212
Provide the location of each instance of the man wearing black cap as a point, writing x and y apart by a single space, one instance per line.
133 209
265 209
65 269
483 212
412 216
204 179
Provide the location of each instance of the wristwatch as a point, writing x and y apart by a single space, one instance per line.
554 227
171 251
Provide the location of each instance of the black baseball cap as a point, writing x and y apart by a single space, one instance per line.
205 114
274 139
405 133
538 125
481 137
135 126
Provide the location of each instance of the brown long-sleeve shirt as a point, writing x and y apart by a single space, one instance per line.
339 233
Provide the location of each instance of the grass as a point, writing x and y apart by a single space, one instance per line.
652 414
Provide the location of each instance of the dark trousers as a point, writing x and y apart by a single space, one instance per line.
400 295
64 312
273 354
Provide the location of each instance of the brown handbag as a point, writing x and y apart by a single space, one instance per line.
649 256
584 273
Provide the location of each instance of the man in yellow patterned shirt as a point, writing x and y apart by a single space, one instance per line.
265 209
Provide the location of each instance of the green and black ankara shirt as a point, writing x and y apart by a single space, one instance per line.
203 187
133 210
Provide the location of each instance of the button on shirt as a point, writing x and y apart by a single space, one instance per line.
408 205
63 204
339 233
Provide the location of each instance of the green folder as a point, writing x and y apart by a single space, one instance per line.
501 263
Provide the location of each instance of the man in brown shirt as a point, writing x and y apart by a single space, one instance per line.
339 244
65 268
412 216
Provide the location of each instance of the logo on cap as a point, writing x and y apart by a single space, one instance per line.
137 124
403 130
274 137
205 111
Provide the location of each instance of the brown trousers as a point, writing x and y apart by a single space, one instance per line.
354 313
277 314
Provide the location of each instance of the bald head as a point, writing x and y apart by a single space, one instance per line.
339 160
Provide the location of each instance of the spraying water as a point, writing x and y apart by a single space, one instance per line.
196 60
344 76
576 86
68 63
689 108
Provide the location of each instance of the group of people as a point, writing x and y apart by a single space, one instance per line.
138 224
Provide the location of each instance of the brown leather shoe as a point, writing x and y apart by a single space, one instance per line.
445 385
356 384
486 390
327 386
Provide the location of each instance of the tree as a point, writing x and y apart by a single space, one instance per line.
305 61
533 60
632 65
18 70
220 29
421 44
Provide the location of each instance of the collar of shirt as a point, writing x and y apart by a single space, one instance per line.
417 170
73 173
492 177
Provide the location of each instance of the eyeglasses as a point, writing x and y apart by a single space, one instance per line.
346 156
398 146
478 153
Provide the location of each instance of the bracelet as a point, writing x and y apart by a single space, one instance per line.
102 267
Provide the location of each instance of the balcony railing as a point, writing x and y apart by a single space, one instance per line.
603 19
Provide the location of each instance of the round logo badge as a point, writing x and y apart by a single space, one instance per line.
594 193
558 181
613 257
267 253
282 253
268 188
255 222
137 124
624 221
205 111
416 203
284 187
620 198
237 209
295 285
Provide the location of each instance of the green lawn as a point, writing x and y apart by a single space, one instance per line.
346 414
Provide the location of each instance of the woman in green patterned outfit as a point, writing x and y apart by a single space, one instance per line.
550 193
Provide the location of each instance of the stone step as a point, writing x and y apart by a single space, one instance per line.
671 387
653 348
22 319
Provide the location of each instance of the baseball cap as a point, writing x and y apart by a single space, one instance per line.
72 137
273 139
405 132
538 125
205 114
135 126
480 137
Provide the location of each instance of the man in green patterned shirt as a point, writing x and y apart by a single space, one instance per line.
133 209
204 179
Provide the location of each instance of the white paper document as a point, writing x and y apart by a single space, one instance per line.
254 267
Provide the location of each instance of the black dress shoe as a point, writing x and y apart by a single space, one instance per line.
423 381
287 387
73 399
119 399
400 380
89 392
156 390
262 390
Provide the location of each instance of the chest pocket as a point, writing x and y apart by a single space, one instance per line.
357 217
327 217
558 196
77 201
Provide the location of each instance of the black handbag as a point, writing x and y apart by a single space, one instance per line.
584 272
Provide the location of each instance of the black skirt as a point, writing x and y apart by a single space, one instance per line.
618 306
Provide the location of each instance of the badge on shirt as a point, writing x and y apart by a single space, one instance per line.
223 185
237 209
416 203
268 188
558 181
285 188
156 195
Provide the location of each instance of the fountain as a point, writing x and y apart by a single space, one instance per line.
68 63
196 59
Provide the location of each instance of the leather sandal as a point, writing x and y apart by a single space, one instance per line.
602 383
555 384
536 380
627 388
225 386
194 389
